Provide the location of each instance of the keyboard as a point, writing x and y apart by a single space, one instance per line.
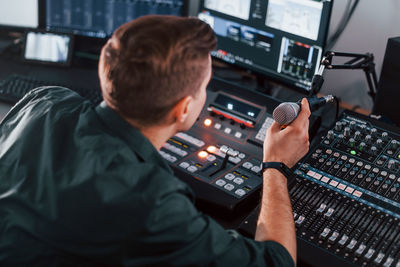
14 87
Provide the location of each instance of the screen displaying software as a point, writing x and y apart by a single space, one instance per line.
47 47
19 13
99 18
281 39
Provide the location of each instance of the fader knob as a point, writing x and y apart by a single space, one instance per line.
338 126
346 132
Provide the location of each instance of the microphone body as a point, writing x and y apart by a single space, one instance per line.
286 112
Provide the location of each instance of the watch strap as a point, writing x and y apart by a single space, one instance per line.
280 166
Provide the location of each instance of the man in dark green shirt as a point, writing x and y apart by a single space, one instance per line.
84 185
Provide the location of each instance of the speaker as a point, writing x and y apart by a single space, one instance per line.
387 101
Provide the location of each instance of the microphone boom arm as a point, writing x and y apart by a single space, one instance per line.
357 61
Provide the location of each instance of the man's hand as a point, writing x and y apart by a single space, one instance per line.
290 144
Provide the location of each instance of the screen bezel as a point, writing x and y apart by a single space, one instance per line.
43 62
273 75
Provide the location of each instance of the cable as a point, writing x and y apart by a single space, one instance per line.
337 101
343 24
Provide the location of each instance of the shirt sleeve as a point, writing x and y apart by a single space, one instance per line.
180 234
40 98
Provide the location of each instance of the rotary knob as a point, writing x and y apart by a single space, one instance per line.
353 125
357 135
330 135
352 142
379 142
338 126
384 135
392 164
373 150
346 132
394 144
373 131
368 138
362 146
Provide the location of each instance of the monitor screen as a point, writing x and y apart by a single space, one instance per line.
99 18
47 47
281 39
19 13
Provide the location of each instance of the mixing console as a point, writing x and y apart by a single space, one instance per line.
346 199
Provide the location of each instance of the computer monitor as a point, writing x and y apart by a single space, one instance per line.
280 39
19 14
99 18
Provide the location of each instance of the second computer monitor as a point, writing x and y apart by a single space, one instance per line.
281 39
99 18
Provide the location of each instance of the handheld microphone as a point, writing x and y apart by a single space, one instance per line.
286 112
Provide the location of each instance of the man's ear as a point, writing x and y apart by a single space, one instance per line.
182 109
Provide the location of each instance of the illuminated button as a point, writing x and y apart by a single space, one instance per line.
230 176
242 155
238 135
333 183
184 165
227 130
240 192
211 158
220 182
341 186
353 152
310 173
357 193
317 176
217 126
349 190
211 149
202 154
325 179
207 122
229 187
238 180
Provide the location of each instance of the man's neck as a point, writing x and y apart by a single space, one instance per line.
158 135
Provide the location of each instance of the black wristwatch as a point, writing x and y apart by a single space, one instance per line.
280 167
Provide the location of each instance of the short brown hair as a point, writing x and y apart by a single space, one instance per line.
151 63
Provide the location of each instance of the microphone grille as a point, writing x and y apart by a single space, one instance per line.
285 113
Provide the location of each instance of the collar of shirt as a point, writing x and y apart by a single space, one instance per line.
133 137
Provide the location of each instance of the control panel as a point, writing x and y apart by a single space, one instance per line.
220 156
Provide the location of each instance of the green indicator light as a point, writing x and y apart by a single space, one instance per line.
353 152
